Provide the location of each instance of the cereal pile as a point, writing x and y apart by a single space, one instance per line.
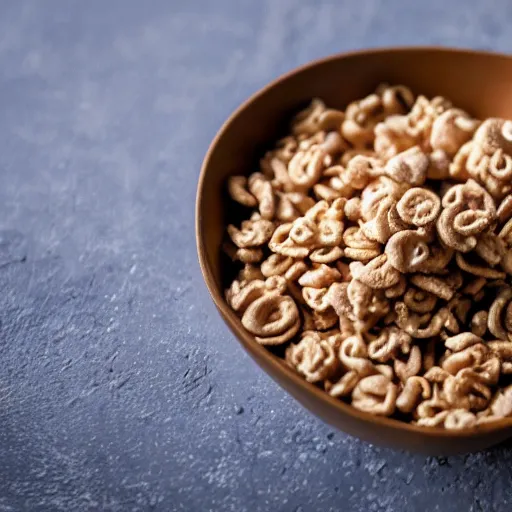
377 249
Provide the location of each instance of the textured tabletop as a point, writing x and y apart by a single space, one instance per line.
120 387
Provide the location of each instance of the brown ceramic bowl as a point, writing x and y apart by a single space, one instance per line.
478 82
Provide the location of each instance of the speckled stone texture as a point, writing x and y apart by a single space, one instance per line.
120 387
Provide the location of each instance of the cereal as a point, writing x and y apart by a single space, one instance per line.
313 357
451 130
375 394
419 206
344 386
253 233
407 250
410 166
385 346
415 390
500 316
273 319
237 187
409 368
353 355
376 248
458 419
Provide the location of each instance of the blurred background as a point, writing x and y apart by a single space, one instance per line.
120 387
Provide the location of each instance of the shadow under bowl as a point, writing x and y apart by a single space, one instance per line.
478 82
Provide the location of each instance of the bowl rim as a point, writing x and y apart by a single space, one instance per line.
231 319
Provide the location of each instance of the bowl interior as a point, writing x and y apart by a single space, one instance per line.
478 82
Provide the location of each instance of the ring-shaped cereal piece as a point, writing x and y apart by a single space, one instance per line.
273 319
500 165
419 301
419 206
326 254
471 222
375 394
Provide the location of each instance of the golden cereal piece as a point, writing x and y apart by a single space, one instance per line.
478 270
490 248
419 301
419 206
396 99
237 188
254 255
504 212
436 374
377 273
420 326
313 357
243 293
343 386
501 404
479 323
276 265
322 320
439 165
390 341
428 410
435 285
451 130
321 277
261 188
462 341
493 134
273 319
407 251
376 191
326 254
353 355
360 170
394 135
412 365
503 349
250 273
500 165
500 315
458 419
466 392
331 119
458 166
414 390
410 166
307 121
305 168
316 298
465 358
375 394
487 372
252 233
281 243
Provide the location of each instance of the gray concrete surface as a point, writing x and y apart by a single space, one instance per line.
120 388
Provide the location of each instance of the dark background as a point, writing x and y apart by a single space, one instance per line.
120 387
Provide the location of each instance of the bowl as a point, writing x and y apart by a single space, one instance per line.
479 82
